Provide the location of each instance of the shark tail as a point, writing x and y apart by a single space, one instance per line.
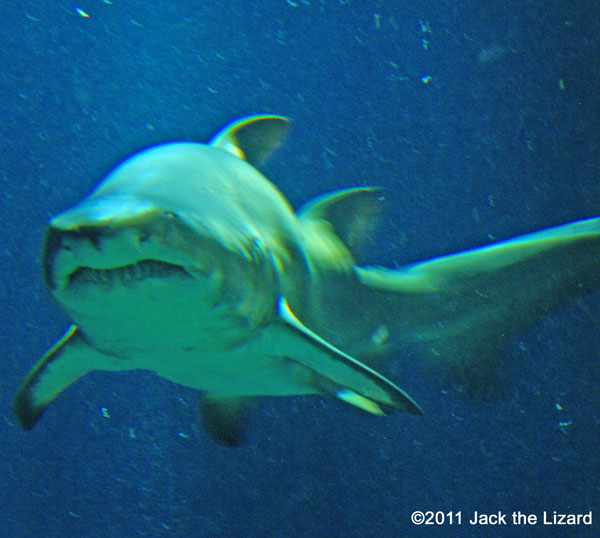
459 311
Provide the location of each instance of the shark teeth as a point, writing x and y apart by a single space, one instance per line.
126 274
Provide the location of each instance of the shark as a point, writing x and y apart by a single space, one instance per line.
188 262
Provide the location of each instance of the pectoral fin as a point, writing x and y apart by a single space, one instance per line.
354 382
64 363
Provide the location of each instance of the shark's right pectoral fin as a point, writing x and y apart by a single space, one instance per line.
350 380
64 363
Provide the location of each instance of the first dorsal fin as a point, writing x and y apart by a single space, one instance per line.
252 138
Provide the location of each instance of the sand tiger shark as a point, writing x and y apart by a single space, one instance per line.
186 261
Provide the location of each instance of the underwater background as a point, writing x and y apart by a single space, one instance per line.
482 121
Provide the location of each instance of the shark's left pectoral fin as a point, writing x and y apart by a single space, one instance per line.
349 379
64 363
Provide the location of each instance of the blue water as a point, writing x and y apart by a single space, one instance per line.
503 139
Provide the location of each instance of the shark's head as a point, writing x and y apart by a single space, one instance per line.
166 209
167 232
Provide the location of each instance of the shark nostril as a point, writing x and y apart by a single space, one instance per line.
92 235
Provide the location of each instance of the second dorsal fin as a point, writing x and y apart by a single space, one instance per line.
335 226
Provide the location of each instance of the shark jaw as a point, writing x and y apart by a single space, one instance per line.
82 246
125 275
93 255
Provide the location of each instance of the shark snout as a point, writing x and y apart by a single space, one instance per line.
111 233
68 251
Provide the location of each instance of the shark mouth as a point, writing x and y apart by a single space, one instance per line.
126 275
86 257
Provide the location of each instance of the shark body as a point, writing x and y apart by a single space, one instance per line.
188 262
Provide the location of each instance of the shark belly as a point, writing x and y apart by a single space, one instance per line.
160 317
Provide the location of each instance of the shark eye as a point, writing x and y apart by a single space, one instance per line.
170 214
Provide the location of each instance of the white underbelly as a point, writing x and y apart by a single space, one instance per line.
252 369
178 328
176 313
